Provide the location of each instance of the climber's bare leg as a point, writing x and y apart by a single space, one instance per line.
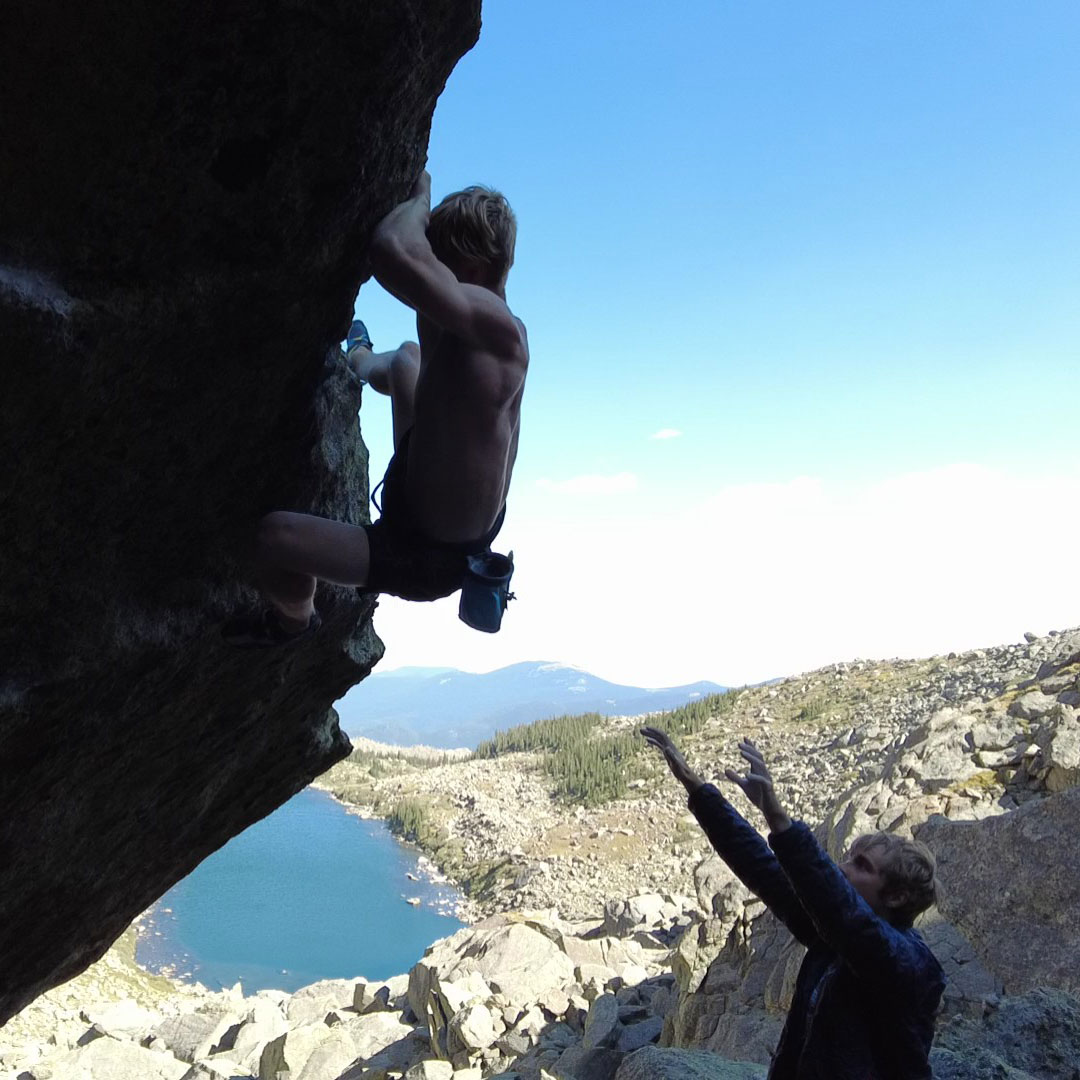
372 367
392 373
294 551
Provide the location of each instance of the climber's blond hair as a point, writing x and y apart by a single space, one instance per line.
475 225
908 868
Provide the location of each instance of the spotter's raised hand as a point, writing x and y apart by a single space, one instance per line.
673 756
757 785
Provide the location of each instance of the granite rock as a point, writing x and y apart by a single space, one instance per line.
1011 885
170 309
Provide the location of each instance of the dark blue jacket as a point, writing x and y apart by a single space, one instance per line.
867 991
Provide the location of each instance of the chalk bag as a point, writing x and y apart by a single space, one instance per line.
485 592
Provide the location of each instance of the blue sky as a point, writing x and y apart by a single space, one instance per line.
834 247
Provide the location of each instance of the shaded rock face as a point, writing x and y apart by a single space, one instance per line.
1012 886
188 200
1034 1036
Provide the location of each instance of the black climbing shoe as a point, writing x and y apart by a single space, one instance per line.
263 630
358 335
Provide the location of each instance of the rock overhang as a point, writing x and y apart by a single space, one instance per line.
188 199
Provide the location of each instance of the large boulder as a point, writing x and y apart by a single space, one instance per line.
218 1067
187 206
330 1058
391 1061
194 1034
313 1002
124 1019
263 1022
318 1051
652 1063
500 957
431 1070
738 1008
390 994
113 1059
1034 1036
1011 884
472 1029
602 1025
586 1063
718 890
623 917
290 1051
1059 743
373 1033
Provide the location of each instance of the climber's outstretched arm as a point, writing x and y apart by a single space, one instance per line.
405 265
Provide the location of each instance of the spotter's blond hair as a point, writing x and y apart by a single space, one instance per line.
908 867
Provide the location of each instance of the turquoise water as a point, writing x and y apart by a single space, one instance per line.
310 892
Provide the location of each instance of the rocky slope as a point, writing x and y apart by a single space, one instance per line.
517 997
187 205
977 753
829 735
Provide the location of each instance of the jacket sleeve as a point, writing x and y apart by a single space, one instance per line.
873 948
744 850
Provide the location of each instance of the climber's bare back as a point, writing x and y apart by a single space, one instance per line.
465 430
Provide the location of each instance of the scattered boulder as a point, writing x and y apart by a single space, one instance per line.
623 917
471 1029
1059 741
263 1023
113 1059
373 1032
330 1058
635 1036
312 1003
602 1025
502 957
194 1035
218 1067
290 1050
122 1019
719 891
431 1070
411 1047
389 995
585 1063
1032 705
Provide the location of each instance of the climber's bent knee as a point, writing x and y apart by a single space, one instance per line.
331 551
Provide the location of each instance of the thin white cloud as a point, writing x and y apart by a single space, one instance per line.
591 484
666 433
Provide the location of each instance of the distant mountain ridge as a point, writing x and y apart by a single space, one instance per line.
444 707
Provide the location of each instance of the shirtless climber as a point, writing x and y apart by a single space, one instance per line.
456 401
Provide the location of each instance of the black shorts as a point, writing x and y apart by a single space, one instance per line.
404 561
